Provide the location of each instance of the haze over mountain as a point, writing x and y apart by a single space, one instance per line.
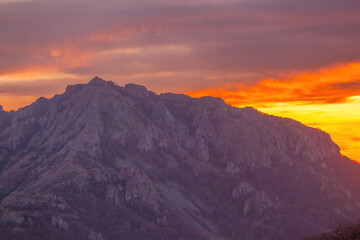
104 162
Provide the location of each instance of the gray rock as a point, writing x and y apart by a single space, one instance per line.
232 168
12 217
95 236
242 189
136 165
57 221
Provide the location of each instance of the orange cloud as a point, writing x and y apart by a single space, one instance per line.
113 36
324 86
10 103
27 73
24 86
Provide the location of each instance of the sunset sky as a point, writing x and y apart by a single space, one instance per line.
297 59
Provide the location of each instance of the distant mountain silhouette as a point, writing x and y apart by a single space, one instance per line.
104 162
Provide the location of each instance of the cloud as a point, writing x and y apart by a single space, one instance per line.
225 36
355 84
27 88
180 45
13 1
336 84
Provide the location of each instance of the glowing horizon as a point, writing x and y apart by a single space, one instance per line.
319 99
279 97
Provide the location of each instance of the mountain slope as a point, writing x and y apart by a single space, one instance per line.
108 162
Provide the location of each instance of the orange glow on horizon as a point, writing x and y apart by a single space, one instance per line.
9 102
327 99
28 77
28 73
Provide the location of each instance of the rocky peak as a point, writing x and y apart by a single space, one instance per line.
136 87
138 90
175 97
212 100
107 162
96 81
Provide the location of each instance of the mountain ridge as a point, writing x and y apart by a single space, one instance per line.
102 161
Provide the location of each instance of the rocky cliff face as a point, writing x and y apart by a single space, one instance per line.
104 162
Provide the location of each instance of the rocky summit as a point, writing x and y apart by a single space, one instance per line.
104 162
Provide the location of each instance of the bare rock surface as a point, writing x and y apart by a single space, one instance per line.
103 162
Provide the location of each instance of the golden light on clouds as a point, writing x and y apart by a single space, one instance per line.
29 74
36 74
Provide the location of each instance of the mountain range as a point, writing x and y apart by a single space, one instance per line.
105 162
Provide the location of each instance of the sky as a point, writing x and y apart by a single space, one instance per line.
297 59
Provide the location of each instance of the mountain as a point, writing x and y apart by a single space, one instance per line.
104 162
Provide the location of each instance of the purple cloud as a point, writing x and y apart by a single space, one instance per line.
205 42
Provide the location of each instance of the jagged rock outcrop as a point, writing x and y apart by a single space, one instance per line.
95 236
108 162
59 222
